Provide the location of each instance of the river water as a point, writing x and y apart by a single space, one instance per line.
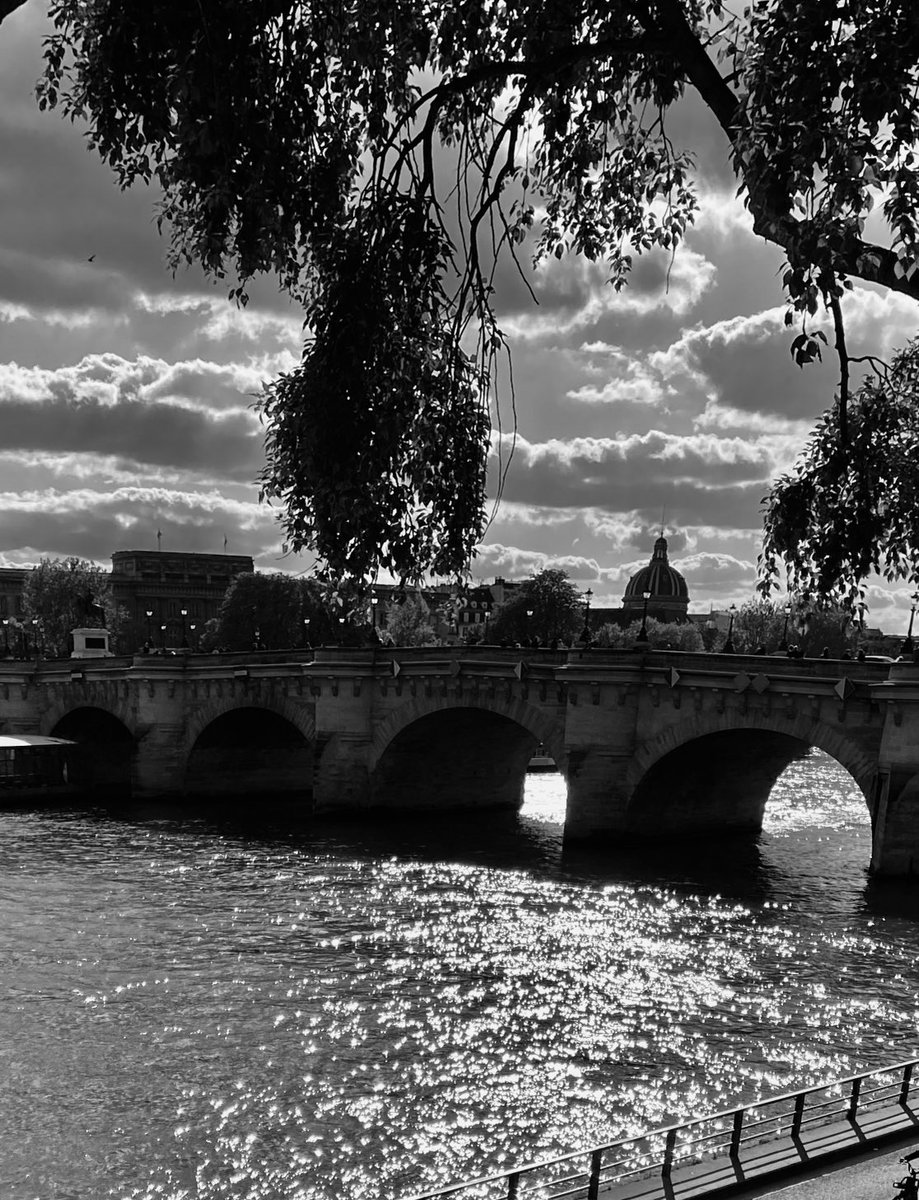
202 1006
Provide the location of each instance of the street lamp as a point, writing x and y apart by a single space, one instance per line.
163 636
804 628
341 630
6 637
643 632
183 612
194 638
35 632
374 601
529 620
585 633
859 624
907 647
306 631
729 644
149 612
784 645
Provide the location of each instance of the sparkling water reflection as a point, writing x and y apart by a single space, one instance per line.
199 1008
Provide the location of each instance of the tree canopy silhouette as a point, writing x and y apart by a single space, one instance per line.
380 156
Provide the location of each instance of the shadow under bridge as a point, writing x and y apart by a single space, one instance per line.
456 758
101 763
250 752
718 783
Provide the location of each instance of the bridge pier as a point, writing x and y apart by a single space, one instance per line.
344 731
895 811
598 793
158 763
341 779
600 738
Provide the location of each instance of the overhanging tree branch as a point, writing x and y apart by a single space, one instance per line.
297 139
9 6
861 259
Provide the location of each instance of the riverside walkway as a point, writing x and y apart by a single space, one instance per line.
742 1152
869 1176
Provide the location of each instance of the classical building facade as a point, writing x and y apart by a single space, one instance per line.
179 590
167 597
12 582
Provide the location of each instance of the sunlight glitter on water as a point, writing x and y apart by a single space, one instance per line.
200 1012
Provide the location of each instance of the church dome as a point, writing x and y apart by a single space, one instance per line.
669 595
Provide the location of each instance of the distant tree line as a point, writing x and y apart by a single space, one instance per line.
275 611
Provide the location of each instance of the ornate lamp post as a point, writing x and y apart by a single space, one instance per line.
35 633
529 621
149 613
306 632
6 637
184 613
374 601
585 632
643 632
729 644
194 638
163 637
784 645
907 647
341 631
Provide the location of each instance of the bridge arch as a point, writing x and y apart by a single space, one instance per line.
468 753
704 774
102 765
249 748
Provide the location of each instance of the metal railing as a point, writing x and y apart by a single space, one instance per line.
581 1174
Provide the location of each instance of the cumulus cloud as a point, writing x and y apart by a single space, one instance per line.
512 562
218 319
623 379
191 416
92 523
538 515
574 294
574 470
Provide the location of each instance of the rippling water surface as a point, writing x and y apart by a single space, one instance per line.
205 1008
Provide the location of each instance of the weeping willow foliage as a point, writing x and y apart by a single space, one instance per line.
850 507
380 157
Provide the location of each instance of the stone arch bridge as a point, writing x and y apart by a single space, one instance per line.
653 743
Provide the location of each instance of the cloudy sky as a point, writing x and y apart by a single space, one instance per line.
125 394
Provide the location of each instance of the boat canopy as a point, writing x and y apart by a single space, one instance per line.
10 741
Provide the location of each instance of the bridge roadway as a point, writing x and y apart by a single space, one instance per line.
651 743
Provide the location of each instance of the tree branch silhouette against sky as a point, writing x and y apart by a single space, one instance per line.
394 164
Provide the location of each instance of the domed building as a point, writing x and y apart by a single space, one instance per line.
668 596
